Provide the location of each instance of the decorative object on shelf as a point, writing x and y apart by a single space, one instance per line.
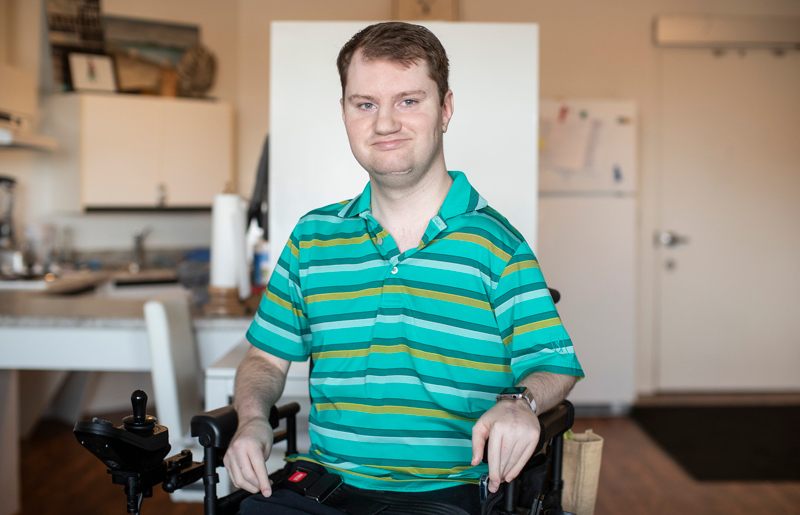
197 70
148 52
73 26
425 10
91 72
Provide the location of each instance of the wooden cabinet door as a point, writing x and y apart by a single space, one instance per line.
197 151
120 151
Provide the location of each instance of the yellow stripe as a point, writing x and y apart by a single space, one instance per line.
390 479
522 265
277 300
430 294
401 348
334 242
480 240
550 322
343 295
391 410
426 471
293 249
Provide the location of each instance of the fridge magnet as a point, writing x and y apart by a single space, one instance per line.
91 72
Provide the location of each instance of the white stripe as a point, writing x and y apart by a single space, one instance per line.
322 218
434 388
538 354
442 328
452 267
343 324
277 330
356 267
340 435
519 299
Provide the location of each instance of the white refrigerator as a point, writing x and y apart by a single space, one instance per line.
587 238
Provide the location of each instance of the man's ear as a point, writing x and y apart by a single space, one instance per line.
447 110
341 103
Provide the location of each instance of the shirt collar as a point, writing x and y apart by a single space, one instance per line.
462 198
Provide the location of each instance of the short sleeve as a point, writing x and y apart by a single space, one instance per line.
280 326
529 323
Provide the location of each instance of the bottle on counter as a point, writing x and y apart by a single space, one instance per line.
261 270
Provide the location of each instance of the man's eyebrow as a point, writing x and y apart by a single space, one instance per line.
416 92
357 96
370 98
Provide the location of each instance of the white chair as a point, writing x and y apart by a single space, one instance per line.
177 380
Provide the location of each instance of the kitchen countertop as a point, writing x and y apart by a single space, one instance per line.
87 310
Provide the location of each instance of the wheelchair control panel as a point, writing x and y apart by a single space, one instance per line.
135 454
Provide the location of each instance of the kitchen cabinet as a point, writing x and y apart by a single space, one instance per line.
139 152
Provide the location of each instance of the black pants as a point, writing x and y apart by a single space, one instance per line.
463 500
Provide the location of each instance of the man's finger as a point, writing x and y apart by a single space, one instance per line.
479 435
515 471
234 470
260 469
506 456
495 445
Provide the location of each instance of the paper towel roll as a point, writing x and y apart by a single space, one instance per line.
228 263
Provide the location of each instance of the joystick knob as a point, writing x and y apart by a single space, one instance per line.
139 421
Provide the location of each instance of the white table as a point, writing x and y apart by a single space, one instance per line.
220 376
77 334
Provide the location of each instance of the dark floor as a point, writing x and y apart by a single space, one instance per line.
637 477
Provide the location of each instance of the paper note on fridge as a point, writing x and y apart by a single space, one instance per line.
568 145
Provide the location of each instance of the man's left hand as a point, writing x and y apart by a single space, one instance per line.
512 429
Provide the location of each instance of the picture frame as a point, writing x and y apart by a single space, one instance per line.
425 10
91 72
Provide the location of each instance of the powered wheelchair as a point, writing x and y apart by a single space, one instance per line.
136 456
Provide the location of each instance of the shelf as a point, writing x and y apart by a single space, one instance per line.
11 138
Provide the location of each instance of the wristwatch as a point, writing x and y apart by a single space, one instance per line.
518 393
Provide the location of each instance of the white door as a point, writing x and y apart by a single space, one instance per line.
728 302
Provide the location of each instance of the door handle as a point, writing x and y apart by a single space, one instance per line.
670 238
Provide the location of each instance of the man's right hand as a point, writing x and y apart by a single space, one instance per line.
247 455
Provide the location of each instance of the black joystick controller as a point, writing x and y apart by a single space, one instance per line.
139 422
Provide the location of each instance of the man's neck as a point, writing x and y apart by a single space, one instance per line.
405 213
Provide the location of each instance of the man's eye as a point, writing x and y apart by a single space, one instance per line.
408 102
366 105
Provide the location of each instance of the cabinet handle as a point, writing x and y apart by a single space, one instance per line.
161 195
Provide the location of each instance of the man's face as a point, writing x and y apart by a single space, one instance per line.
394 120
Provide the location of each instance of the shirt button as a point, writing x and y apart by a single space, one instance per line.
380 241
394 270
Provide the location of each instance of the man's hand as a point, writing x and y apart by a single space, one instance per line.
247 455
513 432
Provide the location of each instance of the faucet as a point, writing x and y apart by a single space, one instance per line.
139 234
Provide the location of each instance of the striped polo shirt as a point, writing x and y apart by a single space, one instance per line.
409 349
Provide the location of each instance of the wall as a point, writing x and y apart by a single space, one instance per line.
588 48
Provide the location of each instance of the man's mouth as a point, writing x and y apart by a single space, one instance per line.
389 144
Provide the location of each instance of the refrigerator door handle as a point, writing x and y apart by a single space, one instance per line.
669 238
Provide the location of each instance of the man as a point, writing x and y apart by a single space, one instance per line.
417 302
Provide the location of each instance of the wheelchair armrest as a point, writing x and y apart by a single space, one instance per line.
216 428
555 422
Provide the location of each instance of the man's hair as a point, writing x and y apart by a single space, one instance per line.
402 43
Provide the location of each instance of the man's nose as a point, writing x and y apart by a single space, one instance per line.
386 121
